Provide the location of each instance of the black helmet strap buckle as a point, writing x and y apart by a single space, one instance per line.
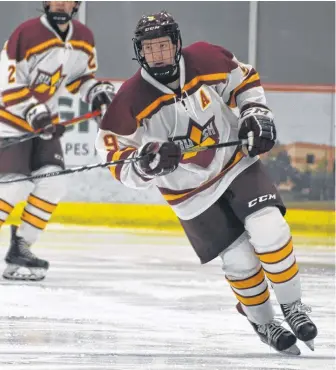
60 17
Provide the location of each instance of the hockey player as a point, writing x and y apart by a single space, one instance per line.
226 203
41 59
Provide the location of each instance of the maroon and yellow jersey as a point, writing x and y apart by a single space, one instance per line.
214 86
36 66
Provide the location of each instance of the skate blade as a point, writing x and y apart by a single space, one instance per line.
310 344
292 351
19 273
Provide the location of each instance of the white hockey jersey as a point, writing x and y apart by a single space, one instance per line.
36 66
214 87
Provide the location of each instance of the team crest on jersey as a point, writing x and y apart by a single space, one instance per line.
199 135
46 84
204 99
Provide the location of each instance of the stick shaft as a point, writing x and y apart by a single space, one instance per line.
200 148
29 136
115 163
69 171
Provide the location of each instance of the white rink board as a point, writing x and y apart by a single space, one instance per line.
78 145
78 142
99 186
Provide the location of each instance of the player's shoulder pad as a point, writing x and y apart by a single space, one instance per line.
26 36
120 117
82 33
209 58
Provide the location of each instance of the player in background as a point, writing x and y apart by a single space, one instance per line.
226 203
42 58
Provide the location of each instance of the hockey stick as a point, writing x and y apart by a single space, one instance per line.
200 148
69 171
17 140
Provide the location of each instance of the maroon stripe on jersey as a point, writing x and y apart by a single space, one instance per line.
166 191
5 207
85 50
157 109
110 154
14 121
43 49
19 99
190 91
12 91
193 89
145 179
233 99
114 155
250 74
124 155
248 86
74 86
235 92
203 187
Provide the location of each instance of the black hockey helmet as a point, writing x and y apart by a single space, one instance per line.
60 17
153 26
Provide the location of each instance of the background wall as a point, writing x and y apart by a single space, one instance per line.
223 23
296 40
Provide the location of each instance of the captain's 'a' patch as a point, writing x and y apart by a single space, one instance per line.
204 99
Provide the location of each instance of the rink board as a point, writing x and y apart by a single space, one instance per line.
313 224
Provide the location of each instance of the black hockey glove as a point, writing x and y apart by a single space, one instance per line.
100 96
159 159
39 118
257 126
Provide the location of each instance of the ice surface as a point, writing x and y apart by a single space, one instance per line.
119 300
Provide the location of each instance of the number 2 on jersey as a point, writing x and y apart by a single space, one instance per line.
11 73
92 62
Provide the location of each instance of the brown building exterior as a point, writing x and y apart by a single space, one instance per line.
314 157
306 156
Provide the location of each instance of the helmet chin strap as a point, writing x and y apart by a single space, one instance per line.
165 74
58 17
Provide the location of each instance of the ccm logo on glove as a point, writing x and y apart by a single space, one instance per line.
257 126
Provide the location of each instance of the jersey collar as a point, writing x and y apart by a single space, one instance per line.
45 22
165 89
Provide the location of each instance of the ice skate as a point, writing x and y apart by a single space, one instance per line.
298 320
274 335
22 264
